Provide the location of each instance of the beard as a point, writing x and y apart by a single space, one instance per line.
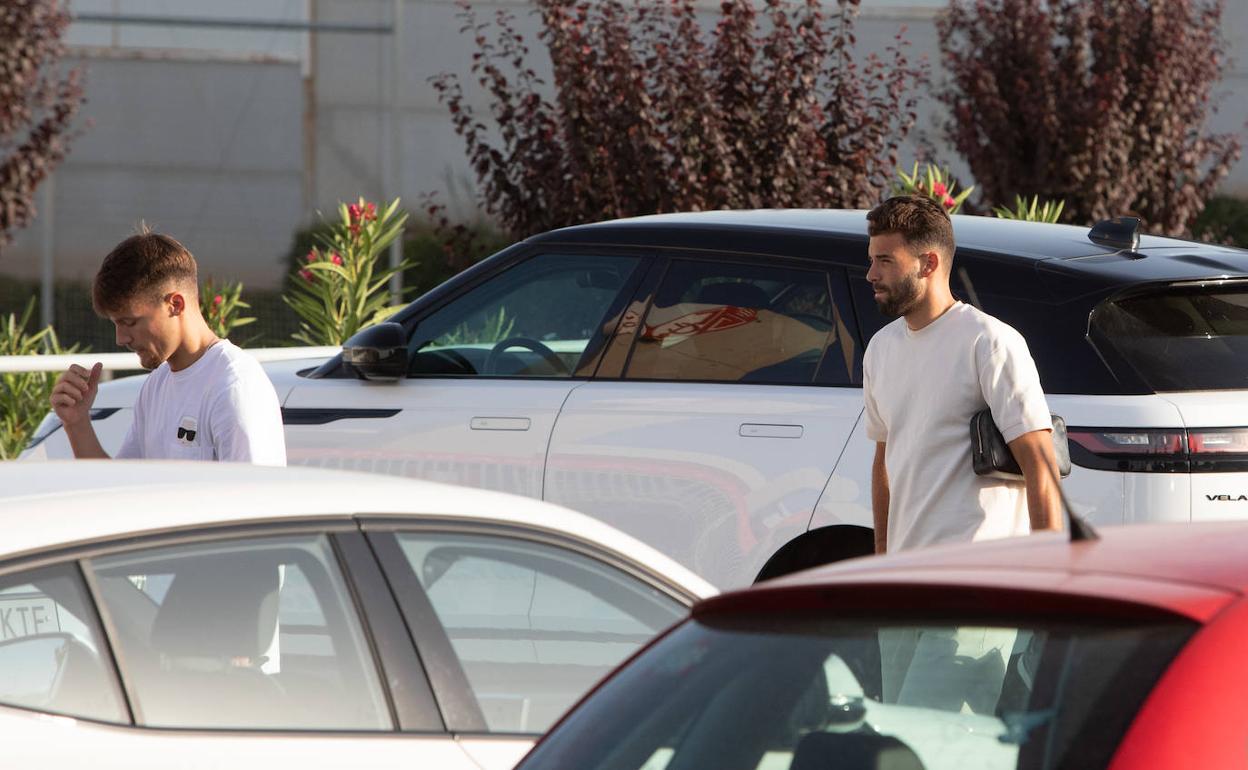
901 298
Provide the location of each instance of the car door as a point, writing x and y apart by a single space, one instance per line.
241 649
489 370
514 626
718 413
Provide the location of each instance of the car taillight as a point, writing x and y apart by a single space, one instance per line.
1164 450
1218 449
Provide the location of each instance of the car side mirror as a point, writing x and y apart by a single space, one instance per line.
377 353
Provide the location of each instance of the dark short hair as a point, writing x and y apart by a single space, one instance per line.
920 221
143 264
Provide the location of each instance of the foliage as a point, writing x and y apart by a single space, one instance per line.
1224 220
1035 211
495 327
433 248
38 102
24 395
341 289
652 114
1100 103
218 304
936 183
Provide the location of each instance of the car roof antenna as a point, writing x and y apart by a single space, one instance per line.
1121 233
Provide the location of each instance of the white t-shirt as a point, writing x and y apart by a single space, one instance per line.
921 389
222 407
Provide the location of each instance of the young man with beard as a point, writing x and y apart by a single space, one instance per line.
924 376
204 400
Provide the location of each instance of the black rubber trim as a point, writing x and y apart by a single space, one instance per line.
460 710
1123 463
402 670
325 416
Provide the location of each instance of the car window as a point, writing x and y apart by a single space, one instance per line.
52 657
798 691
737 323
1179 338
536 319
534 626
248 634
870 319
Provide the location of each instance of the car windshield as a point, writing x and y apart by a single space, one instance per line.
1180 338
807 693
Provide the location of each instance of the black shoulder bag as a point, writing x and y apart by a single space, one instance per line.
991 456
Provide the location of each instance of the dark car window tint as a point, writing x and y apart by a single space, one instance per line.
52 657
737 323
246 634
534 320
534 626
870 319
789 692
1192 338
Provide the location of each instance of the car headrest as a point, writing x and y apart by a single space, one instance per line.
733 294
223 606
853 751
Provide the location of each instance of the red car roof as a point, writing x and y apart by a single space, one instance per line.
1192 570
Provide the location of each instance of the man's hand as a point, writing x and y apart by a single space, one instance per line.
74 393
1034 453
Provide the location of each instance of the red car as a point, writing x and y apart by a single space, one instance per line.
1127 651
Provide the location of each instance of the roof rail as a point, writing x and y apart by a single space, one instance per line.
1117 233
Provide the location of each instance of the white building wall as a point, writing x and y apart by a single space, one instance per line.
205 149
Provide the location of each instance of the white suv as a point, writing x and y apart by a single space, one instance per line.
695 379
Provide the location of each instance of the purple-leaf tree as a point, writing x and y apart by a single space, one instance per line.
38 102
648 111
1102 104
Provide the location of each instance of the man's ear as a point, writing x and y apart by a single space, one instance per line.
177 303
929 263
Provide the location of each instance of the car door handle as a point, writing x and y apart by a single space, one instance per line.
762 430
499 423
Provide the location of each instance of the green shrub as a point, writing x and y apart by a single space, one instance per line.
1031 211
933 181
24 395
219 304
1224 220
342 287
435 250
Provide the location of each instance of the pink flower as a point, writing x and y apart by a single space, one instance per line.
949 202
306 275
312 256
337 260
217 300
939 190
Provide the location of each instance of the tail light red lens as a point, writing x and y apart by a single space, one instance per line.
1217 441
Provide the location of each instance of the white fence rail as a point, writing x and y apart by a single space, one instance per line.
126 361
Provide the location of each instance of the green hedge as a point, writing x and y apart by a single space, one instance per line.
1224 220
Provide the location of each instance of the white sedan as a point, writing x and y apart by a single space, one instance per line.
219 615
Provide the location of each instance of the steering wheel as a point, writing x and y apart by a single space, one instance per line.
548 355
